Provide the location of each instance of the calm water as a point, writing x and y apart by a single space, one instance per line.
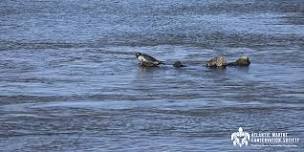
69 80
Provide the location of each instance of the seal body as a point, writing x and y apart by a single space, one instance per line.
217 62
242 61
147 60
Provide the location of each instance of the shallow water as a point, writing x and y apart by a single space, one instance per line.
70 80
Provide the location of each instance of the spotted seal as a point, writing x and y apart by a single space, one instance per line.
217 62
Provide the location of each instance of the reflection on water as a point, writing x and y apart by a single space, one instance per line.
70 80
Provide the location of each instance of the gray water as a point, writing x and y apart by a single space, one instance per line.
69 80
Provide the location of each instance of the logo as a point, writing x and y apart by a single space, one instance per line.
240 138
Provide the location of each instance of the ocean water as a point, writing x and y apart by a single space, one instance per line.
69 79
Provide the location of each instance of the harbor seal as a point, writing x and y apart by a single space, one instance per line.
146 60
178 64
242 61
217 62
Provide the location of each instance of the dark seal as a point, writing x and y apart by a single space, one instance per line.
242 61
147 60
178 64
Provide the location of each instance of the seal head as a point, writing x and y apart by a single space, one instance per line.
178 64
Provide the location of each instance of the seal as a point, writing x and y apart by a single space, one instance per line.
242 61
178 64
217 62
146 60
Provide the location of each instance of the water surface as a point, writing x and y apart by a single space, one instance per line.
70 80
